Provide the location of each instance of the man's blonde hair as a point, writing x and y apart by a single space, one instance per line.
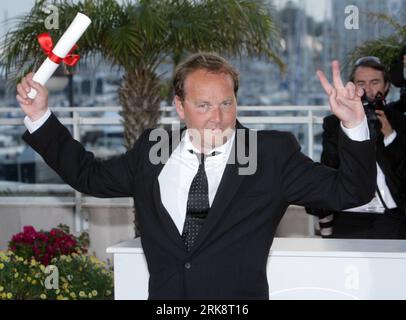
206 61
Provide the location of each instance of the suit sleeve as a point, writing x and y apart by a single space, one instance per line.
79 168
396 154
307 183
329 155
396 151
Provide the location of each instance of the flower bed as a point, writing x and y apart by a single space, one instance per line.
52 265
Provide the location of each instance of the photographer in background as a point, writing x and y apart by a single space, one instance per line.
384 217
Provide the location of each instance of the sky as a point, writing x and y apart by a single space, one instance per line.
13 8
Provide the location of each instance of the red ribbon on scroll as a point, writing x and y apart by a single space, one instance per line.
45 41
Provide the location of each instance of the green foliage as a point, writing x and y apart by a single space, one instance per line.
80 277
140 34
386 48
24 269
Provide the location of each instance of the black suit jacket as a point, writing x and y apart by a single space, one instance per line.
396 152
228 261
390 158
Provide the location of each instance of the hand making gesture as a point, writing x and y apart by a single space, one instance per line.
345 102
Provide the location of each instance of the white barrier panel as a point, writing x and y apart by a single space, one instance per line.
332 269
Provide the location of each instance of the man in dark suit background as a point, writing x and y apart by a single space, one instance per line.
384 217
207 226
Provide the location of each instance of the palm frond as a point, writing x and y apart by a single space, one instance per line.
381 17
143 33
385 48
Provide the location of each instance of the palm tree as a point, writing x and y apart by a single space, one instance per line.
138 36
388 48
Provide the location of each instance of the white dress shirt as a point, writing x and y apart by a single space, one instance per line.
177 174
376 205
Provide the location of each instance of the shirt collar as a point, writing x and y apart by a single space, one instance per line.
187 145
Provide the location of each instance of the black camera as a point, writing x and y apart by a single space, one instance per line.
370 107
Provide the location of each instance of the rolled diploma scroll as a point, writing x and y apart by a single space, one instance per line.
61 49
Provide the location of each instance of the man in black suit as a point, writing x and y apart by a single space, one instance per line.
384 217
208 219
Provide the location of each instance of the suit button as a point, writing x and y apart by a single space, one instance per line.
188 265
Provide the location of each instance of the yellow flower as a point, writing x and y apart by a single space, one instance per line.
33 262
73 295
9 295
1 288
93 259
90 295
34 282
3 295
42 267
43 296
108 292
82 294
68 259
16 275
1 266
60 297
94 293
29 279
65 286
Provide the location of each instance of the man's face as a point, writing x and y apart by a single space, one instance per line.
371 80
209 108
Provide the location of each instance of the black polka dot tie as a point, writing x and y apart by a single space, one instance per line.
198 204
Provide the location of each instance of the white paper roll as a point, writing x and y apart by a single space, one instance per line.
61 49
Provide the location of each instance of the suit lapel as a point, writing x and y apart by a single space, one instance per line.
163 214
229 185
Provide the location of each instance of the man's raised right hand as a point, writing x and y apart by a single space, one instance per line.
33 108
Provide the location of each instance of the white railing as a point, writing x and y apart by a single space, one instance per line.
78 118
